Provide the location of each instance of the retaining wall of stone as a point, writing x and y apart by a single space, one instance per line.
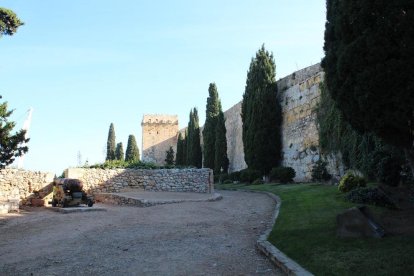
117 180
18 186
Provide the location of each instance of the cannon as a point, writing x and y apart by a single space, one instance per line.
69 192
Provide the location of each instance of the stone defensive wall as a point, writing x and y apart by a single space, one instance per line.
118 180
298 95
18 186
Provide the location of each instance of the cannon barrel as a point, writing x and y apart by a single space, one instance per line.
73 185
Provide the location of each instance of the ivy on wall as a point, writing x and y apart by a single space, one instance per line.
361 151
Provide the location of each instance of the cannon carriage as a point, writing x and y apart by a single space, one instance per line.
69 192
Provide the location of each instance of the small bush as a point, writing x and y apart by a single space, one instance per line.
372 196
319 172
350 182
227 181
249 175
389 170
235 176
258 181
282 174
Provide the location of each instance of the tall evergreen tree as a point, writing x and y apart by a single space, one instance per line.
369 63
119 152
132 151
110 144
185 159
179 157
261 114
169 156
198 156
220 152
209 131
194 156
11 145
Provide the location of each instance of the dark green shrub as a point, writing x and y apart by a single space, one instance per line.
227 181
258 181
249 175
389 170
350 182
319 172
282 174
235 176
372 196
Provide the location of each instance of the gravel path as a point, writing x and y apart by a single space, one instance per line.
191 238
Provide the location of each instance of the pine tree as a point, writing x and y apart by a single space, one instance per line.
194 155
9 22
119 152
11 146
169 157
179 158
132 151
220 150
209 131
369 63
110 144
261 114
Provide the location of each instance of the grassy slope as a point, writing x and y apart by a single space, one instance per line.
306 231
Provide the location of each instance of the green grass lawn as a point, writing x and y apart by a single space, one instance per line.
306 231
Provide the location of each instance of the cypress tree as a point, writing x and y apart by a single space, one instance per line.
220 153
119 152
194 156
198 156
369 63
261 114
132 151
209 131
169 156
189 139
110 144
185 159
179 157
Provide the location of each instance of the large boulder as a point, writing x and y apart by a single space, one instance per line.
358 222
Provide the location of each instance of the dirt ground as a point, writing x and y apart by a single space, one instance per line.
191 238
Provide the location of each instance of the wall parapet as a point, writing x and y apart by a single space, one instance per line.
118 180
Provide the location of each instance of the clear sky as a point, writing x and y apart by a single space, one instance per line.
82 64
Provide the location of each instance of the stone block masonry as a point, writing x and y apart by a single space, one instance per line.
118 180
17 186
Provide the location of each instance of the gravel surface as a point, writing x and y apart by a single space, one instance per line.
191 238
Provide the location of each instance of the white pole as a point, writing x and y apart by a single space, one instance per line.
26 126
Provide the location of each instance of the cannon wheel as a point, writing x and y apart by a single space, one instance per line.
64 203
90 203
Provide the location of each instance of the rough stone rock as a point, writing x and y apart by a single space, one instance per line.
358 222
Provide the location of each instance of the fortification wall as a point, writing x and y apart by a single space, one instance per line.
117 180
234 130
298 95
159 133
17 186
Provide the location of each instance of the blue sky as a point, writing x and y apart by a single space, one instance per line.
84 64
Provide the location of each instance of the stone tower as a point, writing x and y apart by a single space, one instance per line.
159 132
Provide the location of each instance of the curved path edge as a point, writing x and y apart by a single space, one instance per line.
280 259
